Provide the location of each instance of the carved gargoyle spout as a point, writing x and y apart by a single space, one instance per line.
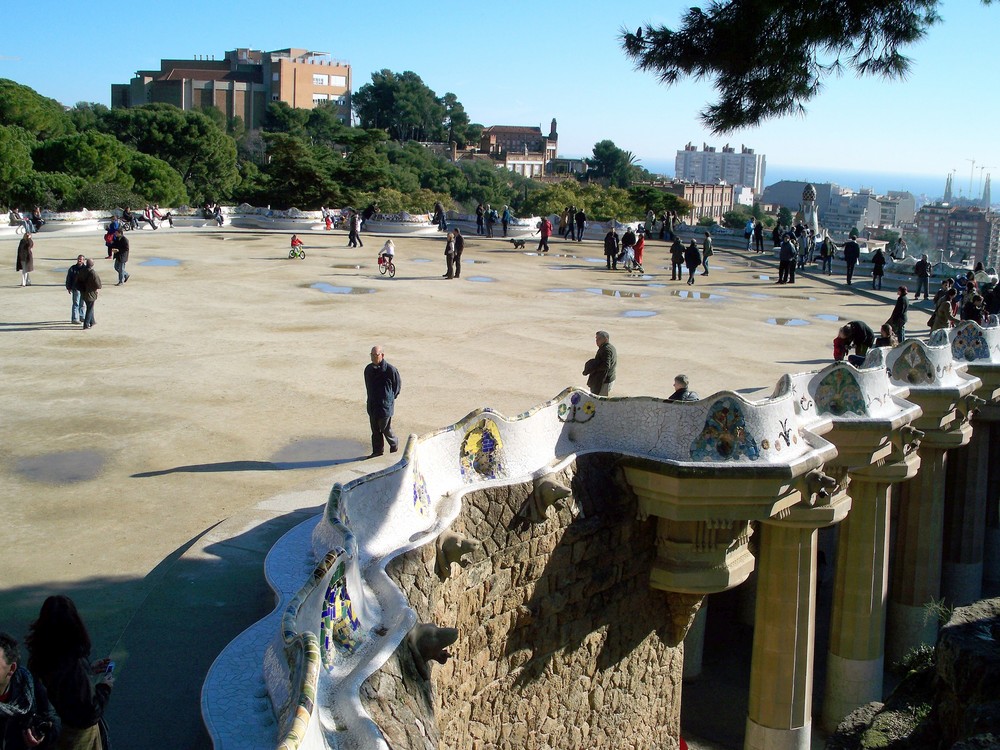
428 642
820 484
546 491
452 547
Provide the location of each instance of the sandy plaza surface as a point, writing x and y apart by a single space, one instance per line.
224 374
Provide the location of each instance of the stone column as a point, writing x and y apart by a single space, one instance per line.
964 519
916 571
991 551
781 672
857 621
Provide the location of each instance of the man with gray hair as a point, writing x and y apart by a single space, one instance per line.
601 370
383 384
681 390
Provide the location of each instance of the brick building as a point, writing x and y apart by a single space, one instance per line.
243 83
708 200
522 149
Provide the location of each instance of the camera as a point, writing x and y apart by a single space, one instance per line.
39 725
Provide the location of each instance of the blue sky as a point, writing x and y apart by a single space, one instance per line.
523 63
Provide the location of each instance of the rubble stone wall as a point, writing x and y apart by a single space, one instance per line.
562 642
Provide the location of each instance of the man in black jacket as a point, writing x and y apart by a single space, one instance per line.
77 311
852 254
383 384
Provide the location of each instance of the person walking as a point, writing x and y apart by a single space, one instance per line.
943 315
826 251
758 236
120 246
601 370
612 246
89 284
459 249
449 256
922 270
382 385
480 219
491 219
692 259
76 312
878 269
25 258
59 649
676 259
354 232
707 252
581 224
544 232
897 318
786 261
852 256
506 217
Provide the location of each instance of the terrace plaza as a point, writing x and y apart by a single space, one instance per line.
150 463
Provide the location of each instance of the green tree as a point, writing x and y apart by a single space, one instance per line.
280 117
405 107
647 197
190 142
54 190
154 180
15 158
96 157
784 217
87 115
37 114
610 164
299 174
738 217
766 59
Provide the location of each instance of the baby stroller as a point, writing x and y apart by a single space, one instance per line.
627 258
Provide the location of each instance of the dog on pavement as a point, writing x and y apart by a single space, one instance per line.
518 244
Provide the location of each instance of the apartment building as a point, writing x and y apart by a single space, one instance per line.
243 83
963 233
708 166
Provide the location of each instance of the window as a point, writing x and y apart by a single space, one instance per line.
320 98
275 76
338 80
321 80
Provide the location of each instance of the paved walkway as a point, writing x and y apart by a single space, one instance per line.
151 462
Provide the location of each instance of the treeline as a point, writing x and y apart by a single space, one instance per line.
90 156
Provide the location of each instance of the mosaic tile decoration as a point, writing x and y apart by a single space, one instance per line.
725 435
479 456
576 409
839 393
339 628
969 342
421 498
913 366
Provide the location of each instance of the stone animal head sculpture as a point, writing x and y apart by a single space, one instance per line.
546 491
428 642
452 547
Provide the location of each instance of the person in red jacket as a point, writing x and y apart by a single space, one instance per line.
545 230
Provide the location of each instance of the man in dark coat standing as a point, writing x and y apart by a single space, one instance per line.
383 384
120 246
612 244
852 254
89 284
602 369
459 249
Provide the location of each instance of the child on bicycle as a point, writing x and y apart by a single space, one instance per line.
387 252
296 244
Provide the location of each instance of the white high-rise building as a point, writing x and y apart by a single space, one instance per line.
710 166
